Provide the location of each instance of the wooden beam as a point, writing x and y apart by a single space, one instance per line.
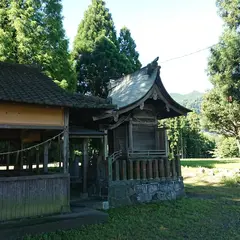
85 164
45 159
14 126
66 141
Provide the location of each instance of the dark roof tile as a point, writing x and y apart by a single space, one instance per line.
26 84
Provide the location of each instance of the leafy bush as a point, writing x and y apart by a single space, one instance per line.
226 148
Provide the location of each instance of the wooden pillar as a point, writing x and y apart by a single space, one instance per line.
66 141
161 169
45 159
174 174
85 164
167 167
8 156
144 170
130 170
117 177
105 145
178 164
138 170
60 151
156 169
166 141
130 134
124 170
150 169
37 159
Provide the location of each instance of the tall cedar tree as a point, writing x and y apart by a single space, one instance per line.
128 48
31 32
221 105
96 51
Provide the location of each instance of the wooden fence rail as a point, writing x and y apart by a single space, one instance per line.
136 169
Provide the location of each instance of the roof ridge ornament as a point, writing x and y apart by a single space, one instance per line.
151 66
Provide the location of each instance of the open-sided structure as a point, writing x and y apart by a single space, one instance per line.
34 132
139 168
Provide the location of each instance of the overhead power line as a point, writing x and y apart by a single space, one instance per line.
188 54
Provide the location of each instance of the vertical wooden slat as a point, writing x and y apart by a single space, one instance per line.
124 170
110 169
130 134
144 170
167 167
21 156
161 169
174 174
8 156
130 170
178 165
66 141
37 160
156 169
60 152
45 159
105 143
150 169
85 164
138 171
117 170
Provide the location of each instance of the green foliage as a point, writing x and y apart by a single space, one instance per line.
31 32
185 136
226 148
97 53
221 105
128 48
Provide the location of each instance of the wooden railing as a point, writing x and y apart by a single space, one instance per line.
143 168
146 153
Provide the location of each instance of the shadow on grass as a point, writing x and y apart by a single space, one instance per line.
224 193
206 163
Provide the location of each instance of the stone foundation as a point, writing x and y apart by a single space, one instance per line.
142 191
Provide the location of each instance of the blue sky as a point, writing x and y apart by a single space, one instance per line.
164 28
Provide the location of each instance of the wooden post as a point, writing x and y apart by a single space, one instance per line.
166 142
178 164
117 170
138 170
174 174
124 170
60 152
161 169
8 156
85 164
66 141
37 159
144 170
45 160
150 169
156 169
110 177
130 170
105 145
130 134
21 156
167 167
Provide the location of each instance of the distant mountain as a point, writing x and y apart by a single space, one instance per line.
191 100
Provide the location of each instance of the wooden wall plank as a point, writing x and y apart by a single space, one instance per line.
27 114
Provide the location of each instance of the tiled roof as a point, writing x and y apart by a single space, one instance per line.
26 84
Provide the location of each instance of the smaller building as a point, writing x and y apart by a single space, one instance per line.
139 168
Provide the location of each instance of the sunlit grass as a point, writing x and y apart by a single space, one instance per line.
211 211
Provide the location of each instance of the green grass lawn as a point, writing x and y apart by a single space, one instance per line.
211 211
